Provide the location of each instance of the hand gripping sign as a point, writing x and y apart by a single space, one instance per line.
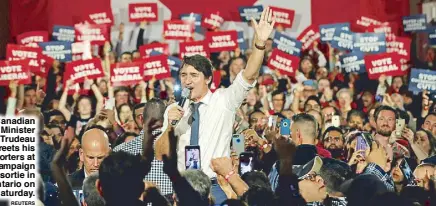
284 63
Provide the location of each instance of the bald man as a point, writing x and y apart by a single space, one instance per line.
95 147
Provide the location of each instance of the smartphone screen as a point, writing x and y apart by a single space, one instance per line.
379 98
285 127
399 126
238 143
192 157
361 144
336 121
245 162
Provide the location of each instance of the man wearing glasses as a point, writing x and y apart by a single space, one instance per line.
333 141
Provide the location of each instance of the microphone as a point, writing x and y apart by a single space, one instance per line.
185 95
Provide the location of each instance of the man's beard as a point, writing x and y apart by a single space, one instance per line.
384 132
336 153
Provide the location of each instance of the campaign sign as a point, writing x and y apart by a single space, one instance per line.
193 17
95 33
63 33
156 66
386 63
32 38
178 30
422 79
126 74
282 16
212 20
193 48
139 12
241 41
362 24
146 49
78 70
284 63
248 12
415 23
58 50
372 43
287 44
342 40
385 28
103 17
328 30
432 35
353 62
18 52
399 45
15 70
309 36
216 80
222 40
173 62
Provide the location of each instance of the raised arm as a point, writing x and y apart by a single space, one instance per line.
99 97
12 100
63 102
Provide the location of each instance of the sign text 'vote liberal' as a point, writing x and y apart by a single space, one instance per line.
353 62
212 20
15 70
146 49
78 70
94 33
139 12
19 52
284 63
156 66
282 16
178 30
192 48
222 40
32 38
287 44
422 79
328 30
372 43
401 46
126 74
309 36
102 17
388 64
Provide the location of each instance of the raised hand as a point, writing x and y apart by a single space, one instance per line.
265 26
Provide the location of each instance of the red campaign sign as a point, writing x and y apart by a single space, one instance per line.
101 17
309 36
46 63
19 52
283 17
212 20
32 38
388 64
145 50
178 30
15 70
385 28
139 12
95 33
126 74
283 62
193 48
222 40
362 24
216 80
78 70
156 66
399 45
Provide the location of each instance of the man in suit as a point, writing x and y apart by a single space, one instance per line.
95 147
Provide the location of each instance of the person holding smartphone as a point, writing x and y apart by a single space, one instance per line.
207 120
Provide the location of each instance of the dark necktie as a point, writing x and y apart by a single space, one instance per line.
195 126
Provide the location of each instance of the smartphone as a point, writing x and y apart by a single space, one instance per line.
407 172
79 196
379 98
110 103
192 157
245 162
238 143
285 127
361 144
336 121
399 126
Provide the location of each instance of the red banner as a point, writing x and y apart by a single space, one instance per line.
145 50
139 12
284 63
361 25
216 80
212 20
309 36
193 48
400 46
156 66
385 28
283 17
95 33
388 64
222 40
102 17
178 30
15 70
126 74
19 52
32 38
78 70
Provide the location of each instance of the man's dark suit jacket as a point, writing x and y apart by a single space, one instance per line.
76 179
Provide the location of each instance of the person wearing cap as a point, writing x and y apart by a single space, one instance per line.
310 183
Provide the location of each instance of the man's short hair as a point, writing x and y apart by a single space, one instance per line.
314 98
335 173
137 106
309 122
200 182
121 178
155 108
330 129
358 113
90 192
127 53
200 63
121 89
29 87
382 108
430 114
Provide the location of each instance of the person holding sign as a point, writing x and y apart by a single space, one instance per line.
207 121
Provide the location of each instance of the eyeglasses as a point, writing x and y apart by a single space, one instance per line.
311 177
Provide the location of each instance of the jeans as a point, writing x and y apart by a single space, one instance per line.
217 192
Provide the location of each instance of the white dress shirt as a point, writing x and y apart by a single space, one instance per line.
217 115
